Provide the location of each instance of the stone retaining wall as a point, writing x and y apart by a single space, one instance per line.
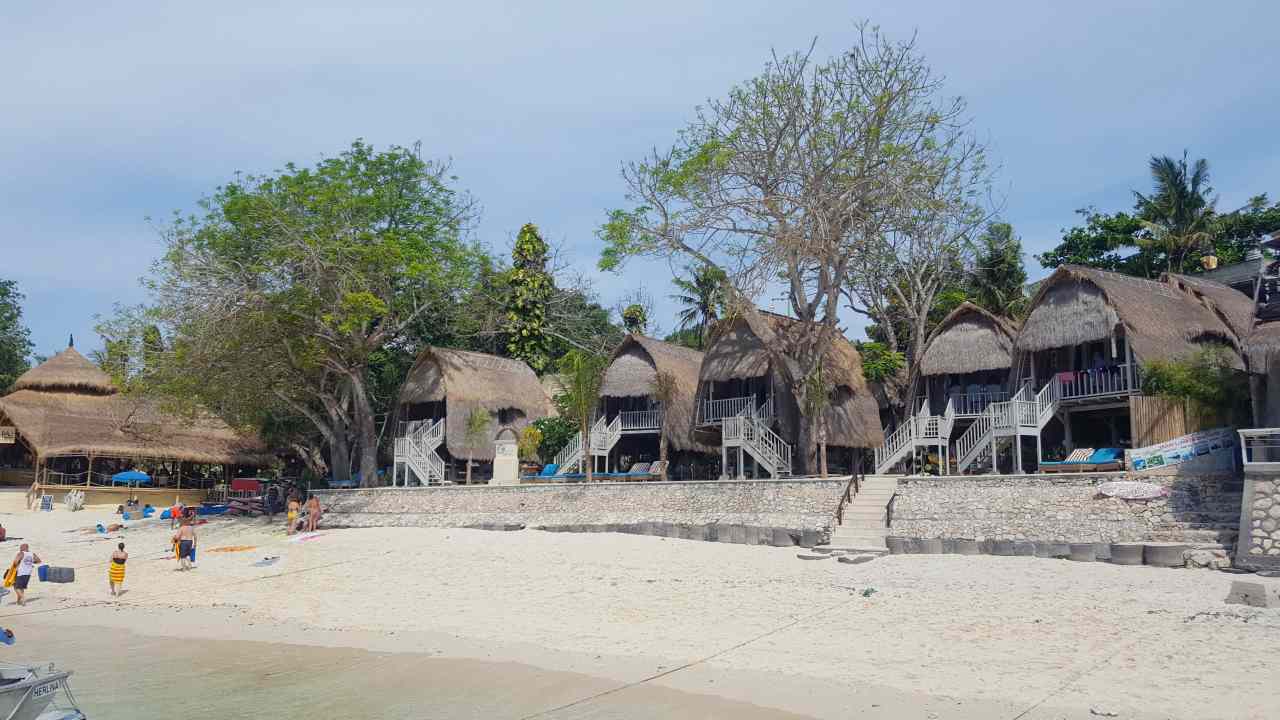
1067 508
796 505
1259 546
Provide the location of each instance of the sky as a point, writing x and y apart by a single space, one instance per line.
116 112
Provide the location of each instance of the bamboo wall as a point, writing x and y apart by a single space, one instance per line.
1154 420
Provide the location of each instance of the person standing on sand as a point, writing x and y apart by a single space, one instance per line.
313 513
292 515
186 539
115 572
26 562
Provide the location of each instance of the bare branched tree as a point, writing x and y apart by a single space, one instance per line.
796 178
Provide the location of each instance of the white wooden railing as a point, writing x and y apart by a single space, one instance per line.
633 420
416 447
1116 380
570 454
711 411
974 440
968 404
605 435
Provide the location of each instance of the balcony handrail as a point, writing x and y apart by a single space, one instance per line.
1259 446
1120 379
641 419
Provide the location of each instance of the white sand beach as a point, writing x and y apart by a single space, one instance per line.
940 636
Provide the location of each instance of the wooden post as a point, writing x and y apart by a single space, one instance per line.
88 476
995 468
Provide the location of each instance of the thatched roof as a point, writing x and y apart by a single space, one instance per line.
969 339
635 364
467 380
67 406
1161 320
66 371
1262 347
739 349
1234 307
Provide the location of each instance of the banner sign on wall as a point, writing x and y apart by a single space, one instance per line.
1182 449
8 434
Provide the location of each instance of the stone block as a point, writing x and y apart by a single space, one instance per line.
781 538
1254 593
1002 547
717 533
1164 555
700 533
1059 550
738 535
968 547
814 556
930 546
1126 553
672 530
1043 549
948 546
855 559
896 545
1024 548
1102 551
1082 552
810 538
649 528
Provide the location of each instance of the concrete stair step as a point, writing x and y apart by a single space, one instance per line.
864 526
853 549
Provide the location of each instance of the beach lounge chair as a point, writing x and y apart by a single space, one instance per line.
637 471
656 469
1071 464
1103 460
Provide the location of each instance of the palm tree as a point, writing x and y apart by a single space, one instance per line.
583 372
1178 213
664 391
702 295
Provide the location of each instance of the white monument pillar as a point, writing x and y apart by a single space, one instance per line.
506 459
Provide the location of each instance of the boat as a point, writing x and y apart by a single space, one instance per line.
30 692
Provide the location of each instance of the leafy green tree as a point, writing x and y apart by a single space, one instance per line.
556 432
1098 242
879 363
531 288
1205 380
635 319
998 277
1178 214
583 373
15 338
284 294
687 337
1237 232
702 296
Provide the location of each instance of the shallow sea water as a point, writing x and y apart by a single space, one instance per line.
120 674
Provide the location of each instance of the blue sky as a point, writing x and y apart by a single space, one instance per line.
113 112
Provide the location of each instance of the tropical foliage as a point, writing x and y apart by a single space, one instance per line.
15 338
1206 381
702 300
530 288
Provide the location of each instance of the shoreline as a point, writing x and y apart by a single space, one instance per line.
941 636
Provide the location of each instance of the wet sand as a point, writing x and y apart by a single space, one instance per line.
121 674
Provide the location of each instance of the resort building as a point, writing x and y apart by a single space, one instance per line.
1075 378
633 417
745 404
963 370
452 405
68 425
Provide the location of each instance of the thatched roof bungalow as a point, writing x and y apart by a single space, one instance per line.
451 384
966 359
627 390
67 406
739 364
1080 313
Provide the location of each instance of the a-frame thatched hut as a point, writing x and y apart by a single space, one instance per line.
629 401
966 362
1080 349
741 375
74 426
446 388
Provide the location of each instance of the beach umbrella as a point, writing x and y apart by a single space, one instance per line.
130 477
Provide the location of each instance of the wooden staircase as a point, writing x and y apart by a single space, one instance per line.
749 430
416 450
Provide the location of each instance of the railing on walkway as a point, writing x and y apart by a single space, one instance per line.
1259 446
1114 380
851 490
713 411
635 420
976 403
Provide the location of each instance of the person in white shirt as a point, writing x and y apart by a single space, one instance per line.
26 562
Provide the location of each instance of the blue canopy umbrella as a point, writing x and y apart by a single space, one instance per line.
131 477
